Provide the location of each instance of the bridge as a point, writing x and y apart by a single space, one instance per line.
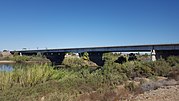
56 56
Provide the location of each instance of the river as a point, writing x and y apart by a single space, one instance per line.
6 67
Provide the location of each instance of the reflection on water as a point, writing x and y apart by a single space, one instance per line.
6 67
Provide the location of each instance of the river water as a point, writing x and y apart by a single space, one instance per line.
6 67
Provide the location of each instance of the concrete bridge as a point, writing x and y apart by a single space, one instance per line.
95 53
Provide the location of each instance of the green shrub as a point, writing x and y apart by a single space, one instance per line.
142 70
113 72
159 67
132 57
131 86
26 76
110 57
121 60
16 54
24 58
136 69
85 56
173 60
39 54
39 59
74 62
20 59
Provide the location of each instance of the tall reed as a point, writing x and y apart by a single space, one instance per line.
26 76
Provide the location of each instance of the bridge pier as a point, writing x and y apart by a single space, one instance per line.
153 55
96 57
20 54
55 57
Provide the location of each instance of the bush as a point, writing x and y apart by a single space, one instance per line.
39 55
132 57
16 54
74 62
26 76
20 59
136 69
85 56
110 57
131 86
113 71
160 67
173 60
121 60
39 59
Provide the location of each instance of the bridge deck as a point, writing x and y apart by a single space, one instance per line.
132 48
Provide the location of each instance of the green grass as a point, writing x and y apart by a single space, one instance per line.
26 76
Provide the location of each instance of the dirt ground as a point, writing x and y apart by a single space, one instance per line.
166 93
162 90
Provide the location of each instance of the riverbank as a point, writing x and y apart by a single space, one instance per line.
13 62
7 62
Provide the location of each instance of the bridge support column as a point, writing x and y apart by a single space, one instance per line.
96 57
20 54
56 58
166 53
153 55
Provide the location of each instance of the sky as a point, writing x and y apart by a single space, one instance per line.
41 24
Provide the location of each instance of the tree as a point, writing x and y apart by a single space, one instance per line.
86 56
132 57
5 50
16 53
39 54
121 59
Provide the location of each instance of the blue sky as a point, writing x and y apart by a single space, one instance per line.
85 23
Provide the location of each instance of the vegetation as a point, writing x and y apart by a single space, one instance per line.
65 81
74 62
85 56
78 62
173 60
42 81
25 76
22 59
110 57
160 67
131 86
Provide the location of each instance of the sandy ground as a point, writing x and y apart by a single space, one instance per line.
6 62
166 93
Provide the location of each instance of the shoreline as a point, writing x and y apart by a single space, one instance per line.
13 62
7 62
